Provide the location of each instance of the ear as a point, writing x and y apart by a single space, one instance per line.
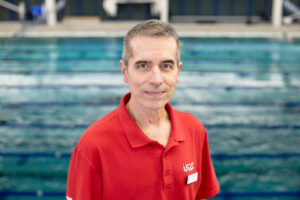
179 67
124 71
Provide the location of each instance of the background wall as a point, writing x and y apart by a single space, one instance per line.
176 7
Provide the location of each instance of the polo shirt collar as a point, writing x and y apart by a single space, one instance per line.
135 135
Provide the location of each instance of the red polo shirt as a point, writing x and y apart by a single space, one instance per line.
115 160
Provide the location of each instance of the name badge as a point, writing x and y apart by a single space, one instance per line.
192 178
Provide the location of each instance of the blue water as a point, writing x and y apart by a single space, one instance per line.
245 91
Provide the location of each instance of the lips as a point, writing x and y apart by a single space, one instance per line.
155 93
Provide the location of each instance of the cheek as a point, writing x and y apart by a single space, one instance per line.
172 81
135 81
125 78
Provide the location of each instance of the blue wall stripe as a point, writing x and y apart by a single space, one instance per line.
216 6
12 13
96 7
232 7
267 6
199 7
250 8
79 7
208 126
181 7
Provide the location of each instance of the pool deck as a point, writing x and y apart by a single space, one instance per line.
97 28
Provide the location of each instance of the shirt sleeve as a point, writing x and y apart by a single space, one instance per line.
209 185
84 180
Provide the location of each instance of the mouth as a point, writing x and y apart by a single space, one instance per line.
155 93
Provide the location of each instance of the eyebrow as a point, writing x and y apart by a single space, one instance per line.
168 61
146 61
141 61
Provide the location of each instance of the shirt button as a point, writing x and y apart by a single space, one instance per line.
168 180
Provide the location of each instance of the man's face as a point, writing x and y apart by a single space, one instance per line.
152 71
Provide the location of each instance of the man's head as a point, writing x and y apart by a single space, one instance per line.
152 28
150 64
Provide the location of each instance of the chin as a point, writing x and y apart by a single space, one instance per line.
157 105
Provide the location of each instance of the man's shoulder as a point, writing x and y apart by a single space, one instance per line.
190 125
106 120
100 128
187 118
98 135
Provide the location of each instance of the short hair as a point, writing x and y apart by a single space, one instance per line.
152 28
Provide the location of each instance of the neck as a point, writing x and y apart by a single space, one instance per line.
146 117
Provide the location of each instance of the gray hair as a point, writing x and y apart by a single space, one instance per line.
153 28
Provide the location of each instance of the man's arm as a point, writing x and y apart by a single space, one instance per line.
209 185
84 179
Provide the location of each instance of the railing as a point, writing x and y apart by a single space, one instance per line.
288 5
20 9
28 24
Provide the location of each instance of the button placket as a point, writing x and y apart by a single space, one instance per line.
167 171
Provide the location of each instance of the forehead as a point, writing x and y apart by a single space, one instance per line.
149 47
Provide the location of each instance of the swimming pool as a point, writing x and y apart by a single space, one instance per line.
245 91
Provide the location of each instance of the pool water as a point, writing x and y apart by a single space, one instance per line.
245 91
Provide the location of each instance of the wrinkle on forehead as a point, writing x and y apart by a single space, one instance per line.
148 48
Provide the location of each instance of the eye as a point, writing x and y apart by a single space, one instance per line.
142 65
167 66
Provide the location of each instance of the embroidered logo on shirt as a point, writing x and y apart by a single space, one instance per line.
188 167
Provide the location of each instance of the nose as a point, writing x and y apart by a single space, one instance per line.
156 76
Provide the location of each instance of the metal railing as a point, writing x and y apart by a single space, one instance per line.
20 9
28 24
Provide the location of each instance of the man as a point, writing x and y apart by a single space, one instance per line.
145 149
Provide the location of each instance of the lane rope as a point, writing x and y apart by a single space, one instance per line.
214 156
